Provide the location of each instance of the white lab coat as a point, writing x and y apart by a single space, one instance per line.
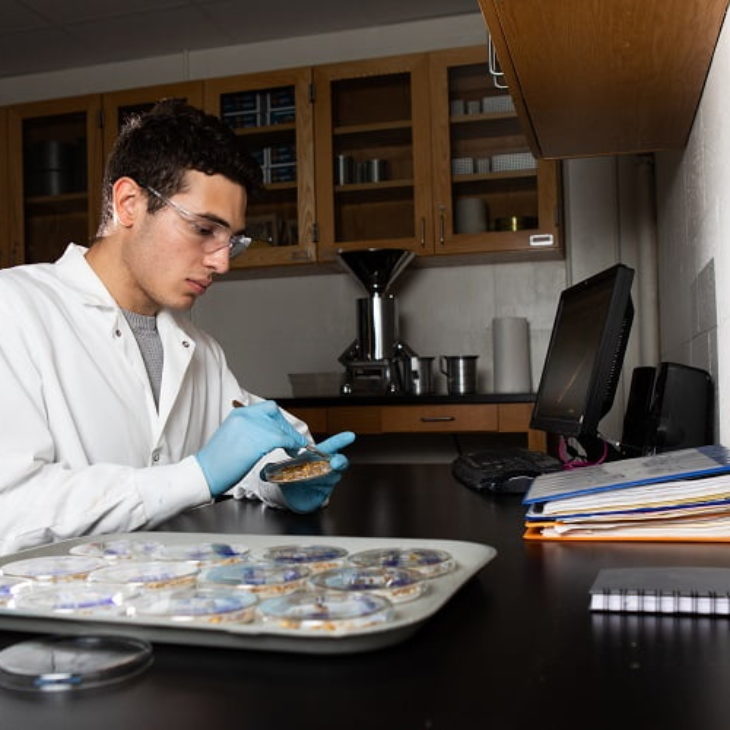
83 449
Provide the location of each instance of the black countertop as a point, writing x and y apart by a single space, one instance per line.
403 399
515 648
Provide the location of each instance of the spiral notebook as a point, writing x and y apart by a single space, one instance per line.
663 590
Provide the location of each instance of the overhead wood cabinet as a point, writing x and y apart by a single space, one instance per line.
423 152
272 113
55 170
373 152
490 195
593 77
118 106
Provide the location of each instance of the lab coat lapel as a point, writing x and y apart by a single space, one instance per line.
178 348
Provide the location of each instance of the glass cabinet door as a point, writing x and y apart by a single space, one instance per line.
55 176
373 155
272 113
119 105
490 193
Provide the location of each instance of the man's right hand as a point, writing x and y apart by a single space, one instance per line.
245 436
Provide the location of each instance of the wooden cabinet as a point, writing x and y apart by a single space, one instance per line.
608 76
55 167
423 418
454 171
373 155
387 135
119 105
489 193
272 112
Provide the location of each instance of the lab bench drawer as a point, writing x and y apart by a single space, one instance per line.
440 418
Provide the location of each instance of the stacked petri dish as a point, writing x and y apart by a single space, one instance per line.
315 557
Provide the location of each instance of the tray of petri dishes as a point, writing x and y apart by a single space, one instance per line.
321 595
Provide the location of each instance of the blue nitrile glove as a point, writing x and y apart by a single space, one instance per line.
241 440
312 495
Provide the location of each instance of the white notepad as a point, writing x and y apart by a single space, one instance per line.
667 590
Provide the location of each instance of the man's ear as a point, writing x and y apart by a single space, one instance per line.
129 201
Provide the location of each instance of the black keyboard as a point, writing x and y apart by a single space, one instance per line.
502 470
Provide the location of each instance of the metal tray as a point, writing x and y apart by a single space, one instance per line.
469 557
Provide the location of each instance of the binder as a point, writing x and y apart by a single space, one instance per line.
663 590
644 470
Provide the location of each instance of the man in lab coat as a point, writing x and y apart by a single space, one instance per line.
116 410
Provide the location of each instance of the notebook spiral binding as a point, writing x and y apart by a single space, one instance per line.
662 602
703 591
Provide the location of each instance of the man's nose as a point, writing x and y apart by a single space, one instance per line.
219 260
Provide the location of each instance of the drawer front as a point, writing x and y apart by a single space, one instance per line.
440 418
315 418
514 417
360 419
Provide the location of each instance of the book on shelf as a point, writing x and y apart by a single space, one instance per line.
679 496
662 590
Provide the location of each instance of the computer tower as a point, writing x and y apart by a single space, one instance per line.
635 438
669 408
681 414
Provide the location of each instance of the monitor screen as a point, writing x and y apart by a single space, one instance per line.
585 354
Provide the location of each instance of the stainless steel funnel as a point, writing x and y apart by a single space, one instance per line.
376 268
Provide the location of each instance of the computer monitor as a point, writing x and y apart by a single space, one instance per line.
585 354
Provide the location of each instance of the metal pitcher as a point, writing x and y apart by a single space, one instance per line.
460 372
418 375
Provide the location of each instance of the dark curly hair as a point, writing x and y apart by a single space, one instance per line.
158 147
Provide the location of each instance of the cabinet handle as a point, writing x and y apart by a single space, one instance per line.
494 70
437 419
423 232
442 227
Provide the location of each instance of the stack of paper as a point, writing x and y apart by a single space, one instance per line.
678 495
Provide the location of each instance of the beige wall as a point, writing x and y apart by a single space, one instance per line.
693 204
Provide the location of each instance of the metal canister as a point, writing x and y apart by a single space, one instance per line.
343 170
377 170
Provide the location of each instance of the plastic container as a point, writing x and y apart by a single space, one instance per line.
10 587
261 579
150 575
81 599
61 663
202 552
427 562
310 384
200 605
396 584
301 469
116 549
64 568
326 611
315 557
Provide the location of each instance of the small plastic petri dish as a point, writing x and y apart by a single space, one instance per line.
396 584
122 549
429 563
300 469
326 611
199 605
81 599
316 557
201 552
63 663
11 587
153 575
261 579
57 569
